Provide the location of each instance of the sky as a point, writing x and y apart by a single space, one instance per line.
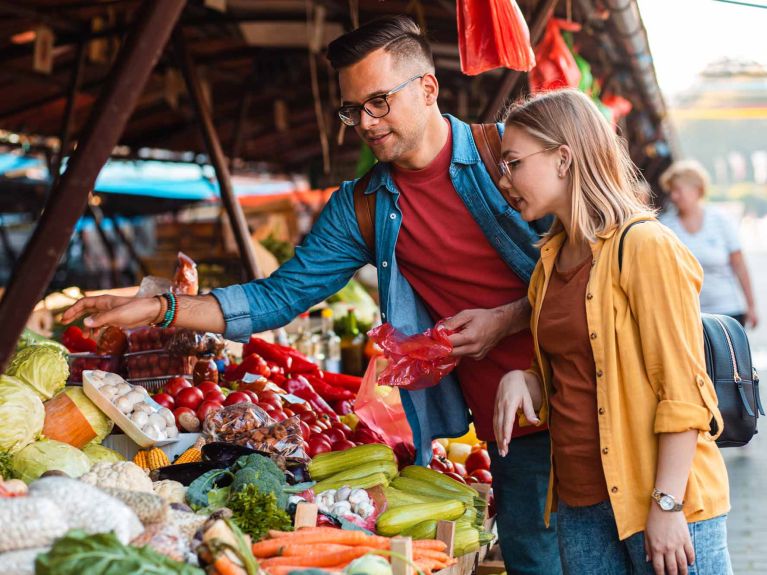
686 35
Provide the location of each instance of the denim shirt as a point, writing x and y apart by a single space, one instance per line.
334 250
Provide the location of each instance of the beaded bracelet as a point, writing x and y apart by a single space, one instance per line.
170 312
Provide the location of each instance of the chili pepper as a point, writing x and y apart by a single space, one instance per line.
302 365
329 392
75 341
342 407
351 382
270 352
253 364
300 387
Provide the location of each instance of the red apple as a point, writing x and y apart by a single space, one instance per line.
207 386
482 475
237 397
343 445
479 459
165 400
206 407
190 397
176 384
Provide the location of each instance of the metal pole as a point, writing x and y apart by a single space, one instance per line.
129 245
66 124
512 77
143 46
213 145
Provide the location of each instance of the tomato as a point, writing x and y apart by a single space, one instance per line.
309 417
442 465
190 397
455 477
215 396
479 459
165 400
268 396
460 469
318 445
207 386
206 407
306 433
438 449
347 431
237 397
279 415
334 435
288 412
482 475
251 394
315 430
176 384
300 407
343 445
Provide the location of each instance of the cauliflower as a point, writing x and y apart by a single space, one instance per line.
121 474
171 491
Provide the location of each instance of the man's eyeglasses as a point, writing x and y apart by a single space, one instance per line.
507 166
375 107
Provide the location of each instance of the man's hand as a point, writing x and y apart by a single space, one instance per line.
479 330
113 310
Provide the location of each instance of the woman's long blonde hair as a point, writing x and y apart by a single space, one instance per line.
604 182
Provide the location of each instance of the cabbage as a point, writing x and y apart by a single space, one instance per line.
369 565
47 455
21 412
100 423
29 337
42 367
97 453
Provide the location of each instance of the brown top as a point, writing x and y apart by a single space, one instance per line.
564 339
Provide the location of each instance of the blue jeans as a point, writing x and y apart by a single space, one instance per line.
588 543
520 482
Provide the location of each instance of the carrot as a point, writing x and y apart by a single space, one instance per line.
327 535
433 544
287 569
319 559
431 554
225 566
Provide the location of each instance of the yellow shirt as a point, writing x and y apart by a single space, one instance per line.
647 339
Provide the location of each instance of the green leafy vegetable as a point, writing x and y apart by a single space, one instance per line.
256 512
43 368
97 453
6 466
217 498
47 455
78 553
197 493
29 337
21 412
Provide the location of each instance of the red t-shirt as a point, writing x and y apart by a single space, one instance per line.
447 259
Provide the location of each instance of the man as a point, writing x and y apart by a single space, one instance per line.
447 245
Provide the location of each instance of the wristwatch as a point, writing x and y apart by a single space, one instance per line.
665 501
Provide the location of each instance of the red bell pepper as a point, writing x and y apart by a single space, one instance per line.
253 364
350 382
329 392
75 341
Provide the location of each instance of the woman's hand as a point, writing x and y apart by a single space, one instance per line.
667 542
752 319
113 310
513 394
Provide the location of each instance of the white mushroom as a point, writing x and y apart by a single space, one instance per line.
153 432
365 510
124 404
124 388
157 420
343 493
171 431
112 378
135 396
108 390
358 496
341 508
139 418
170 419
141 390
145 407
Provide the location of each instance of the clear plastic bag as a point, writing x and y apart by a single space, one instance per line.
188 342
250 426
185 280
417 361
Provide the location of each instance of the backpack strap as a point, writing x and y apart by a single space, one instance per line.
488 142
365 210
623 237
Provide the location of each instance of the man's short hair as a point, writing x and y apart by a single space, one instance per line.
398 35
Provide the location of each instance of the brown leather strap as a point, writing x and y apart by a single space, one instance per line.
488 142
365 210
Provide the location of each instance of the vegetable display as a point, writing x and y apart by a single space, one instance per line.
47 455
21 413
42 367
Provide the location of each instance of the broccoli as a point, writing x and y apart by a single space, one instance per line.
261 472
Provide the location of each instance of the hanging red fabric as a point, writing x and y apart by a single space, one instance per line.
493 34
556 67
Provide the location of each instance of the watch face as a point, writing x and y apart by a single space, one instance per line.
666 503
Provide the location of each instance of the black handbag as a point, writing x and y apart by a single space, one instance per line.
728 364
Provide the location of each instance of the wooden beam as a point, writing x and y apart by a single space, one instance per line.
217 158
140 52
512 77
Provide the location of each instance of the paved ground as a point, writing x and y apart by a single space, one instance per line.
747 466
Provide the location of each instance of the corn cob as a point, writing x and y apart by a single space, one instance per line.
193 454
149 459
324 465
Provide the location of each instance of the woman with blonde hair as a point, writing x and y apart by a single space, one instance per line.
638 483
712 239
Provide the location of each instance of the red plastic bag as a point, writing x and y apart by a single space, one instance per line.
380 407
556 66
492 34
417 361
